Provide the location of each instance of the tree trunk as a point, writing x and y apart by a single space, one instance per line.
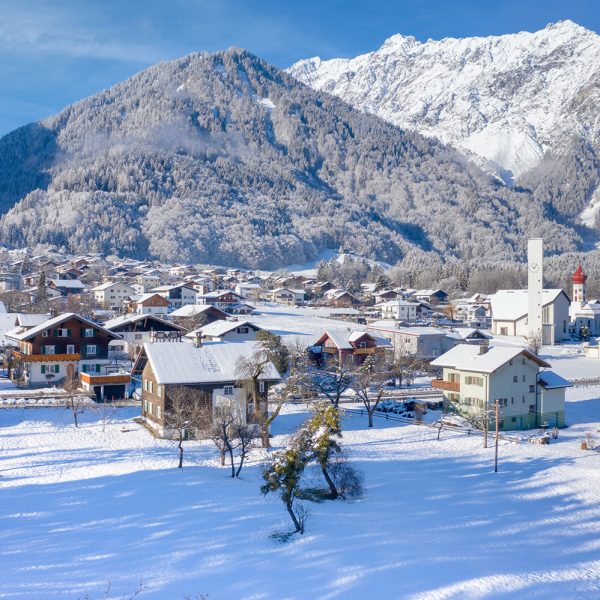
333 490
439 431
288 506
222 458
264 436
230 451
74 410
370 413
242 457
180 446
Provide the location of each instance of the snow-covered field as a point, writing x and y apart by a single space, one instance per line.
80 507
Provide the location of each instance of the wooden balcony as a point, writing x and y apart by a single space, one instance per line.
104 379
46 357
365 350
449 386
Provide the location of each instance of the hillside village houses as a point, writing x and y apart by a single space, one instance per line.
399 321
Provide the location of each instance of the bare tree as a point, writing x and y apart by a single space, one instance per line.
369 385
405 366
74 399
233 437
534 343
330 382
186 414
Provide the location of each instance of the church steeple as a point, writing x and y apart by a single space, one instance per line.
579 279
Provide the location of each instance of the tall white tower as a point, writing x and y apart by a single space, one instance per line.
535 257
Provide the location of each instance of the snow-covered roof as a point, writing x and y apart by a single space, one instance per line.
30 319
133 318
108 285
463 333
466 357
49 323
219 328
144 297
553 381
191 310
511 305
68 283
184 363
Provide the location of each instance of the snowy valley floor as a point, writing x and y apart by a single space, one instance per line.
80 507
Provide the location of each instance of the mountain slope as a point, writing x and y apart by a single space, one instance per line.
224 159
510 99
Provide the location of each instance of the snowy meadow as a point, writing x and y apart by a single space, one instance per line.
84 507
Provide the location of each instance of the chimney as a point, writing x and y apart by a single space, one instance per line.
198 340
483 348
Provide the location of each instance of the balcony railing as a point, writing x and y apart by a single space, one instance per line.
365 350
46 357
104 379
449 386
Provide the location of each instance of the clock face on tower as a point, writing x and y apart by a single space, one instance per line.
534 267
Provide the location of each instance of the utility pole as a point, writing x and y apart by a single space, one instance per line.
497 435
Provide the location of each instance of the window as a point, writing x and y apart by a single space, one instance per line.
532 408
48 349
158 412
70 349
62 332
242 329
90 349
515 378
138 336
470 380
261 387
88 333
503 330
523 377
159 390
531 389
228 390
49 369
45 333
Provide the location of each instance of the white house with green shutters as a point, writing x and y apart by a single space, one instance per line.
529 394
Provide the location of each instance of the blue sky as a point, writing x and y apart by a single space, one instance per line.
55 52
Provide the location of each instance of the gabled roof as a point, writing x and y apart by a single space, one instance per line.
512 305
109 284
145 297
219 328
183 363
134 318
191 310
30 319
339 338
49 323
68 283
466 357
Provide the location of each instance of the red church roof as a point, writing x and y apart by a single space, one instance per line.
579 276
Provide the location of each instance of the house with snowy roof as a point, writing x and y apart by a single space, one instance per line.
208 372
112 294
226 331
529 395
348 349
422 342
510 311
148 304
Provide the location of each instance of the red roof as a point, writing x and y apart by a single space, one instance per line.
579 276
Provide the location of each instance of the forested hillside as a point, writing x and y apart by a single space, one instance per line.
224 159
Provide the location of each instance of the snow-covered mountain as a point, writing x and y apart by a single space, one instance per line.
509 99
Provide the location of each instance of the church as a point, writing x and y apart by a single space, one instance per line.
585 314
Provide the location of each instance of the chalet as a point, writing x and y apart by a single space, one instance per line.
208 312
241 309
347 349
320 287
137 329
226 331
287 296
148 304
59 349
510 310
248 290
222 299
178 295
341 299
208 372
112 294
474 377
66 287
431 296
385 296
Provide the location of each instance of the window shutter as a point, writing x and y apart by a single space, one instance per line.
56 368
43 367
97 368
68 333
